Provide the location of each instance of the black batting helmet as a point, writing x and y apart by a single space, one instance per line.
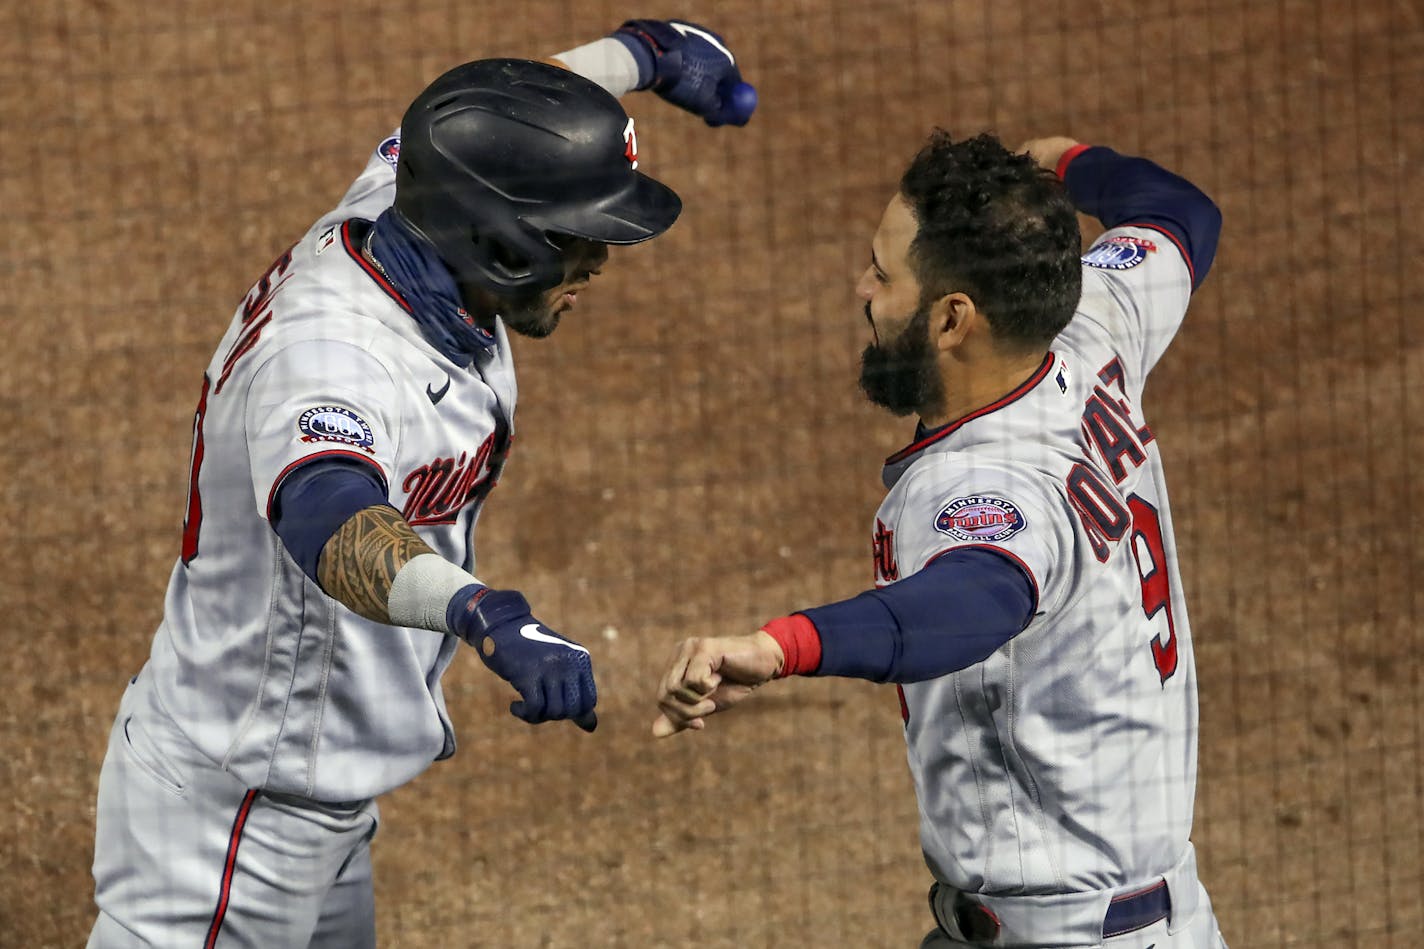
499 154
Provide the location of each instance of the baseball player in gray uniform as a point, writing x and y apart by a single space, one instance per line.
351 423
1027 600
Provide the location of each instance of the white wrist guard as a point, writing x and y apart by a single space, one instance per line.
422 590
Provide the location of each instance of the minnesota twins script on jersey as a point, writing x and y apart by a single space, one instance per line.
323 360
1066 761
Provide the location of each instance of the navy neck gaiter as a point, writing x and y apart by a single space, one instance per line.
411 264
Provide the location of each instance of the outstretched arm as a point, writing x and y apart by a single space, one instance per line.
335 521
955 612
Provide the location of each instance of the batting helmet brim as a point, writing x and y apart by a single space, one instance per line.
637 214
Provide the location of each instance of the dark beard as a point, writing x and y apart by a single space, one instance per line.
901 375
529 316
526 314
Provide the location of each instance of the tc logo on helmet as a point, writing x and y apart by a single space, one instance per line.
630 142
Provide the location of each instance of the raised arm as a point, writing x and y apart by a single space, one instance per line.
1124 191
684 63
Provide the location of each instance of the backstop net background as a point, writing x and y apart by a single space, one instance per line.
693 456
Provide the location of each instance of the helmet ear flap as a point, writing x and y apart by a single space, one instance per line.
505 258
518 256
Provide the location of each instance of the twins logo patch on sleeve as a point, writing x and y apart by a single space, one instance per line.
332 423
1119 253
980 517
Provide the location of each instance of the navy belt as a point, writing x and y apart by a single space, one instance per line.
1126 913
1133 911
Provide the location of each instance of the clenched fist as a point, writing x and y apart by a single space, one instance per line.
709 675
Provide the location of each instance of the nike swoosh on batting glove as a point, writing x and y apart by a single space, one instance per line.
691 67
553 675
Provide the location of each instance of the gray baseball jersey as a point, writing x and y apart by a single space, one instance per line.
1066 761
285 688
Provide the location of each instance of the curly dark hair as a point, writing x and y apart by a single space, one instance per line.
996 226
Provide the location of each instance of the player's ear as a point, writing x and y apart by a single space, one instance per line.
951 318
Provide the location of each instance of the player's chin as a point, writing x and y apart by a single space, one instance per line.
534 325
899 386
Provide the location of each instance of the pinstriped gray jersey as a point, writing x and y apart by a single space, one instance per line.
283 686
1065 761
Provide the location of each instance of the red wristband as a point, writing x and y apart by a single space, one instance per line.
1067 157
800 644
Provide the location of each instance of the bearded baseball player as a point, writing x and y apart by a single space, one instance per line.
355 416
1027 598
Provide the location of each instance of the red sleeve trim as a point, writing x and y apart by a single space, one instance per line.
333 453
1176 242
800 644
1067 157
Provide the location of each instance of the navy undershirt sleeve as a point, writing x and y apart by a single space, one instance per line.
1121 190
316 499
955 612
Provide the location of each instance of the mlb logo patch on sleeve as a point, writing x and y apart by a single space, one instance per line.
332 423
980 517
389 150
1119 253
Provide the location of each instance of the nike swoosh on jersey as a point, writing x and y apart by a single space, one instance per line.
435 397
532 631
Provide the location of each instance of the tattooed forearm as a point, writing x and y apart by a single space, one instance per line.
363 557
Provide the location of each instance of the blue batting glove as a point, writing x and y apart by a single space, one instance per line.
553 675
691 67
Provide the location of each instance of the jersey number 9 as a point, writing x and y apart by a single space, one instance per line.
1106 520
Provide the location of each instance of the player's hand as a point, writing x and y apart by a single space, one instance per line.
553 675
691 67
709 675
1047 151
